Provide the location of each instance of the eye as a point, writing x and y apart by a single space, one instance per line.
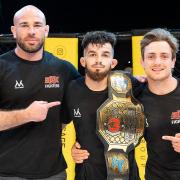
38 25
92 55
150 57
105 55
23 25
164 56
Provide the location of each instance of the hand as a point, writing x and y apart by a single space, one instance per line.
141 78
37 111
79 155
175 140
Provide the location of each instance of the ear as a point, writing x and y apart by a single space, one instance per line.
46 30
13 30
114 63
83 61
142 62
173 62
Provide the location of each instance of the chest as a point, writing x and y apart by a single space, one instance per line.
21 83
162 115
84 107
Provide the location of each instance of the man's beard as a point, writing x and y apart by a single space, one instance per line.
97 76
30 49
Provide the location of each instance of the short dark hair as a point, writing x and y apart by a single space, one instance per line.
98 37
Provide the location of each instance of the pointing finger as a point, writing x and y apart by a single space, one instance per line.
52 104
171 138
177 135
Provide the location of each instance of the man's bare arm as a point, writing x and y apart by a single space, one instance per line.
35 112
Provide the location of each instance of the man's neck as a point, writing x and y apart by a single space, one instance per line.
29 56
162 87
96 85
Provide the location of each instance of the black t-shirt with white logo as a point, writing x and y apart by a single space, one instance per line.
33 150
82 106
162 118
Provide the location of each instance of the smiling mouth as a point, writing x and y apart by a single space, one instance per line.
157 70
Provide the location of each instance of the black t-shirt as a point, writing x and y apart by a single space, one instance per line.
162 118
82 106
33 150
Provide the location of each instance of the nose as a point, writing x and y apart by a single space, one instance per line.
98 60
158 60
31 30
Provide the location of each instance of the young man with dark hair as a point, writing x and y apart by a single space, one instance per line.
84 97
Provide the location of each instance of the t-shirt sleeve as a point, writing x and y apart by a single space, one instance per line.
137 86
65 107
73 73
70 74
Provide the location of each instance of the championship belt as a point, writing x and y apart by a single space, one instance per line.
120 125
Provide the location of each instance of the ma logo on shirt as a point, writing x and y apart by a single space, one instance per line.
77 113
19 84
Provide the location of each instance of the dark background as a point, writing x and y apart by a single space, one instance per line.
69 16
125 18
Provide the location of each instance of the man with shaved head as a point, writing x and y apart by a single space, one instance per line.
32 86
36 32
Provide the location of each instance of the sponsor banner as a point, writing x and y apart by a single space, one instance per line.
64 48
136 53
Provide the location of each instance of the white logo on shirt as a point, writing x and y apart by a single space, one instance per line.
147 124
77 113
19 85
